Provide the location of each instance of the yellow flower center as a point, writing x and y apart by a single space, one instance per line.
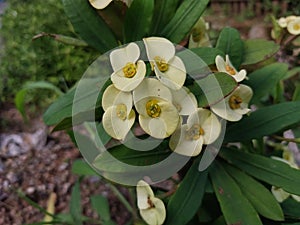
230 70
235 102
129 70
296 26
194 132
122 111
161 64
153 109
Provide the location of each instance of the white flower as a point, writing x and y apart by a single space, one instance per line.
293 26
151 209
227 67
184 100
168 68
158 117
118 117
199 36
128 72
202 127
279 193
234 106
100 4
283 21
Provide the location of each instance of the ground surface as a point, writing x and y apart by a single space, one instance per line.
42 169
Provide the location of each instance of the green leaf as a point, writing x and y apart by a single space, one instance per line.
75 204
264 121
21 95
260 197
82 168
187 199
230 43
164 11
271 171
235 207
291 208
257 50
89 25
296 95
184 19
100 204
213 88
207 54
63 39
83 107
263 80
138 20
292 72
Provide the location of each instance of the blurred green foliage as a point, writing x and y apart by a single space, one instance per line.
24 59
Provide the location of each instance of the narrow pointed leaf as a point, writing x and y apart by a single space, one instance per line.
75 204
185 203
235 207
184 19
261 198
230 43
271 171
138 20
89 25
264 121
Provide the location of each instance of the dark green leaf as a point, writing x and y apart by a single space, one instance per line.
213 88
264 121
296 95
184 19
187 199
164 11
271 171
263 80
292 72
257 50
81 167
138 20
230 43
89 25
291 208
235 207
75 204
260 197
100 204
207 54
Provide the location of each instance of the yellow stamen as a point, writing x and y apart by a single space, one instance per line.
230 70
129 70
161 64
153 109
121 111
296 26
194 132
235 102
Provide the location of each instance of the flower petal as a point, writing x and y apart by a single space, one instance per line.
155 215
158 46
212 129
241 75
100 4
220 64
175 76
120 57
128 84
116 127
113 96
151 87
293 27
279 194
184 100
183 146
143 191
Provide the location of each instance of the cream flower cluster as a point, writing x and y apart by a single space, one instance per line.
291 23
101 4
156 100
236 104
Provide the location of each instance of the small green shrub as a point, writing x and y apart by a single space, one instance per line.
43 59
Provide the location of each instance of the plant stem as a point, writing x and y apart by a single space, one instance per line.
295 140
121 198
